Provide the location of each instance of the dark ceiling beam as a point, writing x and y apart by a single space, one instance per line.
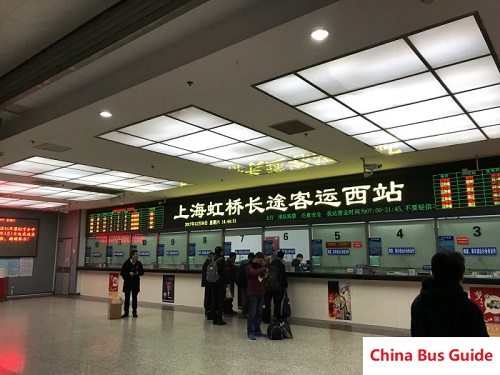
116 26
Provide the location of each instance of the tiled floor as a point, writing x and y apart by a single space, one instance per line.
54 335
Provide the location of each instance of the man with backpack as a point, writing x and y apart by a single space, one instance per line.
241 281
273 286
217 281
204 284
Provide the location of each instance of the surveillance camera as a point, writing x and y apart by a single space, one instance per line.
372 167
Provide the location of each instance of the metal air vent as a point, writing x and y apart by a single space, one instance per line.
52 147
292 127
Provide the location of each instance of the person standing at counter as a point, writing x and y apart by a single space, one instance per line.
296 261
217 287
204 284
443 308
256 273
131 273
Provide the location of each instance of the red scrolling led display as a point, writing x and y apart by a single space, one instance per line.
18 237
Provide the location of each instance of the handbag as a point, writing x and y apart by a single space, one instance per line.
229 295
286 310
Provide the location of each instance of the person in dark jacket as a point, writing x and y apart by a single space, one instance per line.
231 278
443 308
243 286
276 297
256 273
218 289
131 273
296 262
204 284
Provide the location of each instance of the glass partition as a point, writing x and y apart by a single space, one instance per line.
478 239
145 244
118 249
243 241
172 250
200 244
339 248
95 251
293 241
401 247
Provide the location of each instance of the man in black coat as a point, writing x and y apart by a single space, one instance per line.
131 272
279 263
443 308
204 284
218 288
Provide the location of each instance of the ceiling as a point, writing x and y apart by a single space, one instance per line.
63 62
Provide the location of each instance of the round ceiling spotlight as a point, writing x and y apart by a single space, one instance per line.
105 114
319 34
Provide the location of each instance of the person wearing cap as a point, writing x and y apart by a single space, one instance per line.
256 273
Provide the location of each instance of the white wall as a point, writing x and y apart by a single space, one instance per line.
378 303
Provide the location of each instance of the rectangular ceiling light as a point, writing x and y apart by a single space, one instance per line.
447 140
434 127
450 43
354 125
292 90
209 139
492 131
487 117
80 174
200 141
367 68
424 85
126 139
470 74
376 138
393 94
476 100
160 129
423 111
238 132
198 117
326 110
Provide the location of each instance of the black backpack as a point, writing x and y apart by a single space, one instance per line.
241 277
272 282
274 330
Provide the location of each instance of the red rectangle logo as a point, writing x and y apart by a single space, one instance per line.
357 244
462 240
338 244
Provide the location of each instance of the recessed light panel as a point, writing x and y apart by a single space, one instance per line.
76 174
432 88
213 140
292 90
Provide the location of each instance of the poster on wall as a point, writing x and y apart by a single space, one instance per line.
114 278
168 288
13 265
339 300
488 300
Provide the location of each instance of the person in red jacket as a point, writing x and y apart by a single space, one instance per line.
256 273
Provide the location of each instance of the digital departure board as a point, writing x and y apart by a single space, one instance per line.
126 219
479 188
